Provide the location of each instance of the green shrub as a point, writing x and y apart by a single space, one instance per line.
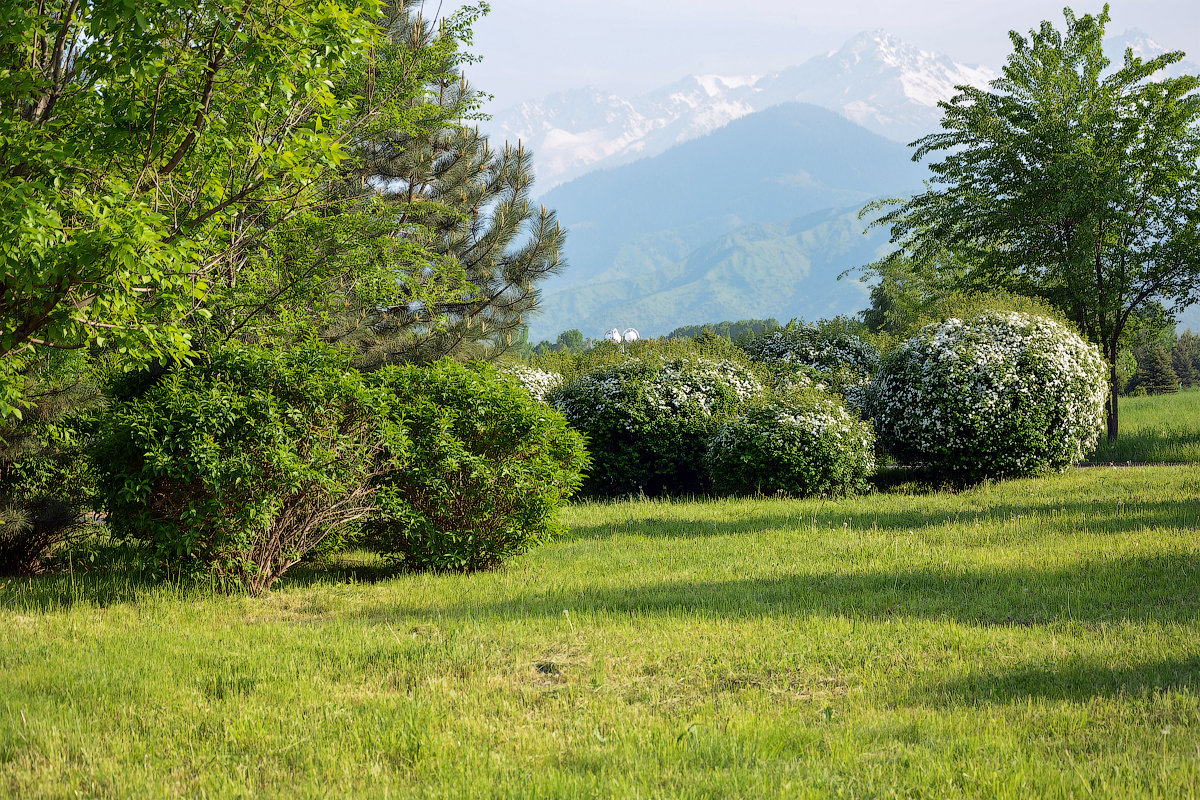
240 467
488 471
829 354
802 444
571 365
1002 394
648 422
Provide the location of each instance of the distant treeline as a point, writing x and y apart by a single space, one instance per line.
573 341
730 330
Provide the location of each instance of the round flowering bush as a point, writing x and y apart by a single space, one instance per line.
537 382
801 445
648 422
830 349
1002 394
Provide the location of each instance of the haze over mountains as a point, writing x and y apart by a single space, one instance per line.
735 197
875 79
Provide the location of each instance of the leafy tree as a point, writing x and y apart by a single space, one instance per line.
151 151
1069 183
571 340
349 248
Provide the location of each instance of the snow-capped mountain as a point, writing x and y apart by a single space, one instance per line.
1144 48
576 131
875 79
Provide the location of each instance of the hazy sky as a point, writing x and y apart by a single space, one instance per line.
533 47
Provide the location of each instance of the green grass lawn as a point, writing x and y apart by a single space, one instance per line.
1036 638
1157 429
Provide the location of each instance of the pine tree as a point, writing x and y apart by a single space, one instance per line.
469 207
1155 374
1181 362
1188 344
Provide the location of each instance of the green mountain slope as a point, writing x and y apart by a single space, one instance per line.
734 225
780 270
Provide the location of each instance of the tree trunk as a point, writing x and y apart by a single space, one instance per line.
1110 407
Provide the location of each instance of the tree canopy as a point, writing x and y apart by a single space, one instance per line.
1066 180
149 155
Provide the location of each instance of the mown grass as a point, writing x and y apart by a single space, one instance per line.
1033 638
1155 429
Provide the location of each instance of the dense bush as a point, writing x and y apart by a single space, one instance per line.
539 383
1002 394
489 468
648 421
571 365
827 354
240 467
802 444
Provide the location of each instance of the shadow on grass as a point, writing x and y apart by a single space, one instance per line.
1052 515
1161 588
1071 682
101 588
343 568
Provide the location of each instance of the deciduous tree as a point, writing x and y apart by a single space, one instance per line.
1069 181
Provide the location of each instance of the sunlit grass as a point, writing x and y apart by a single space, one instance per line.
1032 638
1156 429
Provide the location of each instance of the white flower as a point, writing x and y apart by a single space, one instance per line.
1004 393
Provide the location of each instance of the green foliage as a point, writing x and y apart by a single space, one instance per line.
571 341
1125 369
335 263
1182 364
800 445
1069 182
648 421
1187 349
836 353
141 147
45 483
730 330
242 466
1154 375
571 365
469 208
486 474
999 395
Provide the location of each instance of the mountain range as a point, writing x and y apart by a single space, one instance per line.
755 219
876 80
726 197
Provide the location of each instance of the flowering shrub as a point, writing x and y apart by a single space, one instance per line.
1002 394
801 445
537 382
648 422
818 355
488 469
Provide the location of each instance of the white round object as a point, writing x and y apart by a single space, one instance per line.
630 335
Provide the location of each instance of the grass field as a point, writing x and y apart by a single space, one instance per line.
1036 638
1156 429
